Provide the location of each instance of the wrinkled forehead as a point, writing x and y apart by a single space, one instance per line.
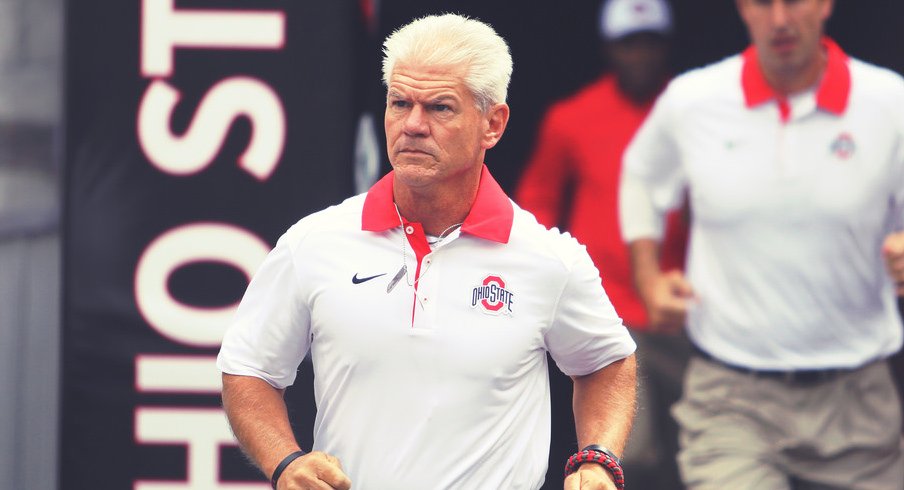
430 78
429 72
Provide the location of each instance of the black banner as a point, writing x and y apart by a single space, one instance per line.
196 133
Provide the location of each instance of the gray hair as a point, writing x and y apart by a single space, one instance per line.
451 39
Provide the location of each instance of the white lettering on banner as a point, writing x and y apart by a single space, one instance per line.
164 28
220 106
177 374
198 242
202 431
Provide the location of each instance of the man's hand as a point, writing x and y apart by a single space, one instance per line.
590 476
667 296
314 471
893 253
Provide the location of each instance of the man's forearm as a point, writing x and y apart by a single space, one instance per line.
604 405
644 254
257 414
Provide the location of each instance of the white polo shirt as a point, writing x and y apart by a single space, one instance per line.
443 388
791 200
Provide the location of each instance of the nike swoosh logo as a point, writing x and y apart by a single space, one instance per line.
359 280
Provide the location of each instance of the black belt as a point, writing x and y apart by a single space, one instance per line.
797 376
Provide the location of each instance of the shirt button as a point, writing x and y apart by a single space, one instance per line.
409 229
428 261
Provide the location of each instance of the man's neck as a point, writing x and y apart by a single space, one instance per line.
436 209
642 95
796 79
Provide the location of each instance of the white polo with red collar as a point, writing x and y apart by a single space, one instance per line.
441 380
791 200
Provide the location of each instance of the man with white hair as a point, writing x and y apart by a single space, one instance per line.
428 305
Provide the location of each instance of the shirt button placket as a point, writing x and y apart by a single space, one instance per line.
431 281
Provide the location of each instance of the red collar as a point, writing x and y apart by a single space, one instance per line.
832 94
490 217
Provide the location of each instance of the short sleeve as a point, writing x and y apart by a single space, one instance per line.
898 188
897 181
653 179
270 333
586 333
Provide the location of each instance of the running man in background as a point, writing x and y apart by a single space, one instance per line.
571 181
793 156
428 306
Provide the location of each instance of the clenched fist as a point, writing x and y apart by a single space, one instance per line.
314 471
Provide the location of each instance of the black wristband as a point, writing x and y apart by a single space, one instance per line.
607 452
282 466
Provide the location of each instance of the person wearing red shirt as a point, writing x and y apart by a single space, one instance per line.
572 180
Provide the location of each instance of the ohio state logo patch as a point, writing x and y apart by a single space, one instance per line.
492 296
843 147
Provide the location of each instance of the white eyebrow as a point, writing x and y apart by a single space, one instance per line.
442 98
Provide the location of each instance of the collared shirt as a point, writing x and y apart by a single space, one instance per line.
440 380
792 198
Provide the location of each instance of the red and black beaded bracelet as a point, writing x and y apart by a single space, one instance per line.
600 455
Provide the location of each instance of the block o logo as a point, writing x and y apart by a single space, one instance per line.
492 296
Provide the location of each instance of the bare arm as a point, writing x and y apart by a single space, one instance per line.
665 294
893 253
604 406
257 414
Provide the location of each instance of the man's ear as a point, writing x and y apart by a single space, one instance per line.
497 119
828 7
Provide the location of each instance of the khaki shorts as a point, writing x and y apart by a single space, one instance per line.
740 431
